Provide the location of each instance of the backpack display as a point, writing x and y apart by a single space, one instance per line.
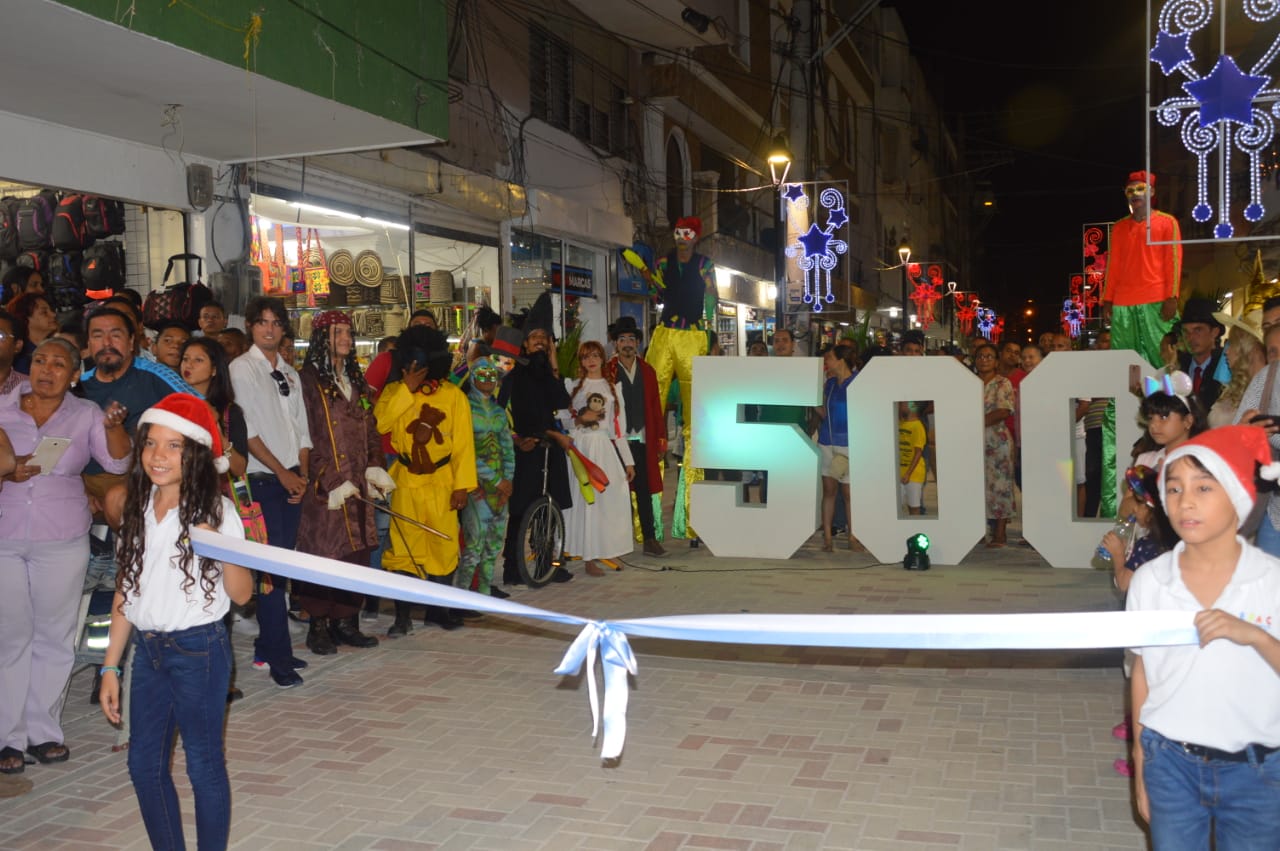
180 302
37 261
35 220
64 270
102 268
10 246
103 217
69 231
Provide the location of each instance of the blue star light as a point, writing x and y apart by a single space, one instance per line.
1226 94
836 218
793 192
1171 51
815 241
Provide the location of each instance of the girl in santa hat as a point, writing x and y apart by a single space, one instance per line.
176 601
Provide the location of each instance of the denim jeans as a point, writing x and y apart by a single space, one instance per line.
1239 801
1268 537
273 644
180 684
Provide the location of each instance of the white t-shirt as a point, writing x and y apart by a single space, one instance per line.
160 604
1223 695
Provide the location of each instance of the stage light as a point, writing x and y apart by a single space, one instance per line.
917 557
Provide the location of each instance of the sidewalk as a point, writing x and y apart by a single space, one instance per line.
468 740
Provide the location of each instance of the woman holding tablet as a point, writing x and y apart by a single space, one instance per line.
44 546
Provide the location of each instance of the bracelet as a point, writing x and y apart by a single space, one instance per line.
112 668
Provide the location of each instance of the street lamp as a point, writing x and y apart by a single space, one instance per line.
779 165
904 255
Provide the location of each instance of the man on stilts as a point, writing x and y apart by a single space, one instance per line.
686 284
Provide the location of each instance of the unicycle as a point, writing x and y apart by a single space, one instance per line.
541 538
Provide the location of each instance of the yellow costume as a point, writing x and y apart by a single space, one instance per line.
444 416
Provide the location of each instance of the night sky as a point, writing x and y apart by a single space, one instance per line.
1050 97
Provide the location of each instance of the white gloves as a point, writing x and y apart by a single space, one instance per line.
379 483
341 494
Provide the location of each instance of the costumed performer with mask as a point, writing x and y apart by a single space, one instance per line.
484 517
429 421
686 283
1140 290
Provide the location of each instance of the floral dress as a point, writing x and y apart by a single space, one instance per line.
997 450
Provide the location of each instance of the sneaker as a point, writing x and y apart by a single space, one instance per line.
286 679
1123 767
1123 730
259 665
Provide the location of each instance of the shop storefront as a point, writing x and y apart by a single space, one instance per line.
744 313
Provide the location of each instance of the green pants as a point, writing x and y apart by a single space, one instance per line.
1140 328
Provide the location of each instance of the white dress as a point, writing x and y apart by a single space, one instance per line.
602 529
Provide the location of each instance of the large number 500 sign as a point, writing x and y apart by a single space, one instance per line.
721 440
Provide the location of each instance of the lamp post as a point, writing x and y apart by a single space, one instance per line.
904 255
779 165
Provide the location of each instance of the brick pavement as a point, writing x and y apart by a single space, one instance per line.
468 740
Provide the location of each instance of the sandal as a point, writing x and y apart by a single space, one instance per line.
50 752
7 764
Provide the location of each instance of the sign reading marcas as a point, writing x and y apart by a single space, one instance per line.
576 279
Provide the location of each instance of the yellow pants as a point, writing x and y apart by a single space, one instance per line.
671 353
426 498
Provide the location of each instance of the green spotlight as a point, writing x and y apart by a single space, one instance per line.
917 557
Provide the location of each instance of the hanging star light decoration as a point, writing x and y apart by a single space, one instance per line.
1228 111
817 250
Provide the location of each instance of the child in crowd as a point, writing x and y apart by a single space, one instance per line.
1171 414
1207 750
911 443
1154 537
176 600
484 517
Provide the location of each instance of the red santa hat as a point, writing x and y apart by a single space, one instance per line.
1141 177
692 222
1235 456
191 417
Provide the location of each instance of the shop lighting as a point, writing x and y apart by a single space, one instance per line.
369 220
772 292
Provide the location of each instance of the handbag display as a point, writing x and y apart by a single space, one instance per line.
250 511
180 302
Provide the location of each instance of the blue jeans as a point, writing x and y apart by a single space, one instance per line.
273 644
1268 538
180 684
1239 801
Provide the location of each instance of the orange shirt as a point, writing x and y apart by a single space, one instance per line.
1138 273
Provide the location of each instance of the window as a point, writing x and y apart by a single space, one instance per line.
550 78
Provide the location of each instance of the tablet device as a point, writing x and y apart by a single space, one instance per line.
48 453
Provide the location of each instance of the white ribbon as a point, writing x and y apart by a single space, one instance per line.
617 661
608 640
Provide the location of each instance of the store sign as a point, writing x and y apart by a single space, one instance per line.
630 281
722 386
575 280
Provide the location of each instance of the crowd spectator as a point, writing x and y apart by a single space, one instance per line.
212 319
1245 358
233 341
44 548
269 391
637 386
171 335
1201 331
34 314
833 440
205 367
997 405
11 344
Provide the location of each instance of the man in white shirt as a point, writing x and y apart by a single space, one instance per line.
269 391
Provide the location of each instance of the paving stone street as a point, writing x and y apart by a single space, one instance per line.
468 740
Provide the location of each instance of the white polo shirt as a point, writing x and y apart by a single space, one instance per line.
160 604
1223 695
280 421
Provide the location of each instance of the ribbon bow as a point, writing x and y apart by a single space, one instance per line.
1176 383
617 660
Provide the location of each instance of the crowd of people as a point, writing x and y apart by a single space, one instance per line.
113 445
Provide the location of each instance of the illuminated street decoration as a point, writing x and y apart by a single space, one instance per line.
1096 243
817 250
966 312
1226 111
986 321
1072 317
928 282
